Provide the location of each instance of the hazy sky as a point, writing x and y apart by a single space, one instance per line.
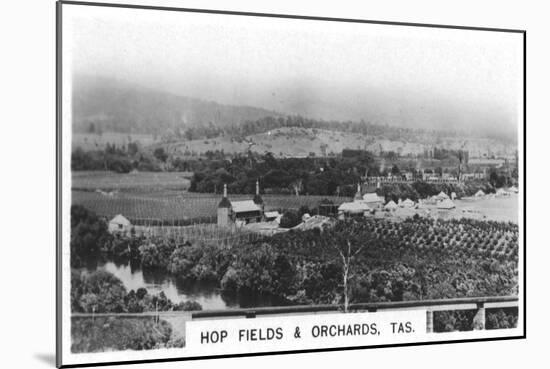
408 76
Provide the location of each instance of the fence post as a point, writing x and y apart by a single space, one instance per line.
429 321
479 318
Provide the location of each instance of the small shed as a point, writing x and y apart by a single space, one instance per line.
408 203
272 215
355 207
119 224
502 192
479 193
446 204
442 196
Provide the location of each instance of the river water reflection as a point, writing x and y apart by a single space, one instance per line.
208 295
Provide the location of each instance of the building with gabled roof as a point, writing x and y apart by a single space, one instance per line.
240 212
391 205
373 200
119 224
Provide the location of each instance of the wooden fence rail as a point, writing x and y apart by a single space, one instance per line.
480 304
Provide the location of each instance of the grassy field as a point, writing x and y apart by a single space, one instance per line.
94 141
294 141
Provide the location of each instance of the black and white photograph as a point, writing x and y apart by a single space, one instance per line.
236 183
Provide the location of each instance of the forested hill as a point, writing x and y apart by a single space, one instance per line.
109 105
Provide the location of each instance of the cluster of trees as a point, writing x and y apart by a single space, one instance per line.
333 176
120 159
88 235
329 177
421 190
118 334
102 292
500 179
265 124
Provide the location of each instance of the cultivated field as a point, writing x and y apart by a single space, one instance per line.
171 205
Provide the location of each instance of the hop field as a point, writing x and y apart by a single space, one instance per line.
173 207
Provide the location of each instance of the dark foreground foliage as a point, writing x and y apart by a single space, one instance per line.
102 292
117 334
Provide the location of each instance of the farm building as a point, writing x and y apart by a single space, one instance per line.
446 204
442 196
240 212
502 192
358 207
272 216
390 205
355 208
373 200
119 224
408 203
479 193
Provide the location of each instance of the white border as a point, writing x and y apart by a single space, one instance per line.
69 358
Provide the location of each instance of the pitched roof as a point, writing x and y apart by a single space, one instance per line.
224 203
316 221
258 199
407 203
245 206
480 193
354 207
120 219
372 197
442 195
391 205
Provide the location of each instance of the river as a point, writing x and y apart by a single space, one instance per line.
208 295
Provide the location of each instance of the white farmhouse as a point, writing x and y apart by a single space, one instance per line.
119 224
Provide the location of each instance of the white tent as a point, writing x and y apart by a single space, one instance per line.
502 192
479 193
354 207
442 196
390 205
431 200
513 189
446 204
408 203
